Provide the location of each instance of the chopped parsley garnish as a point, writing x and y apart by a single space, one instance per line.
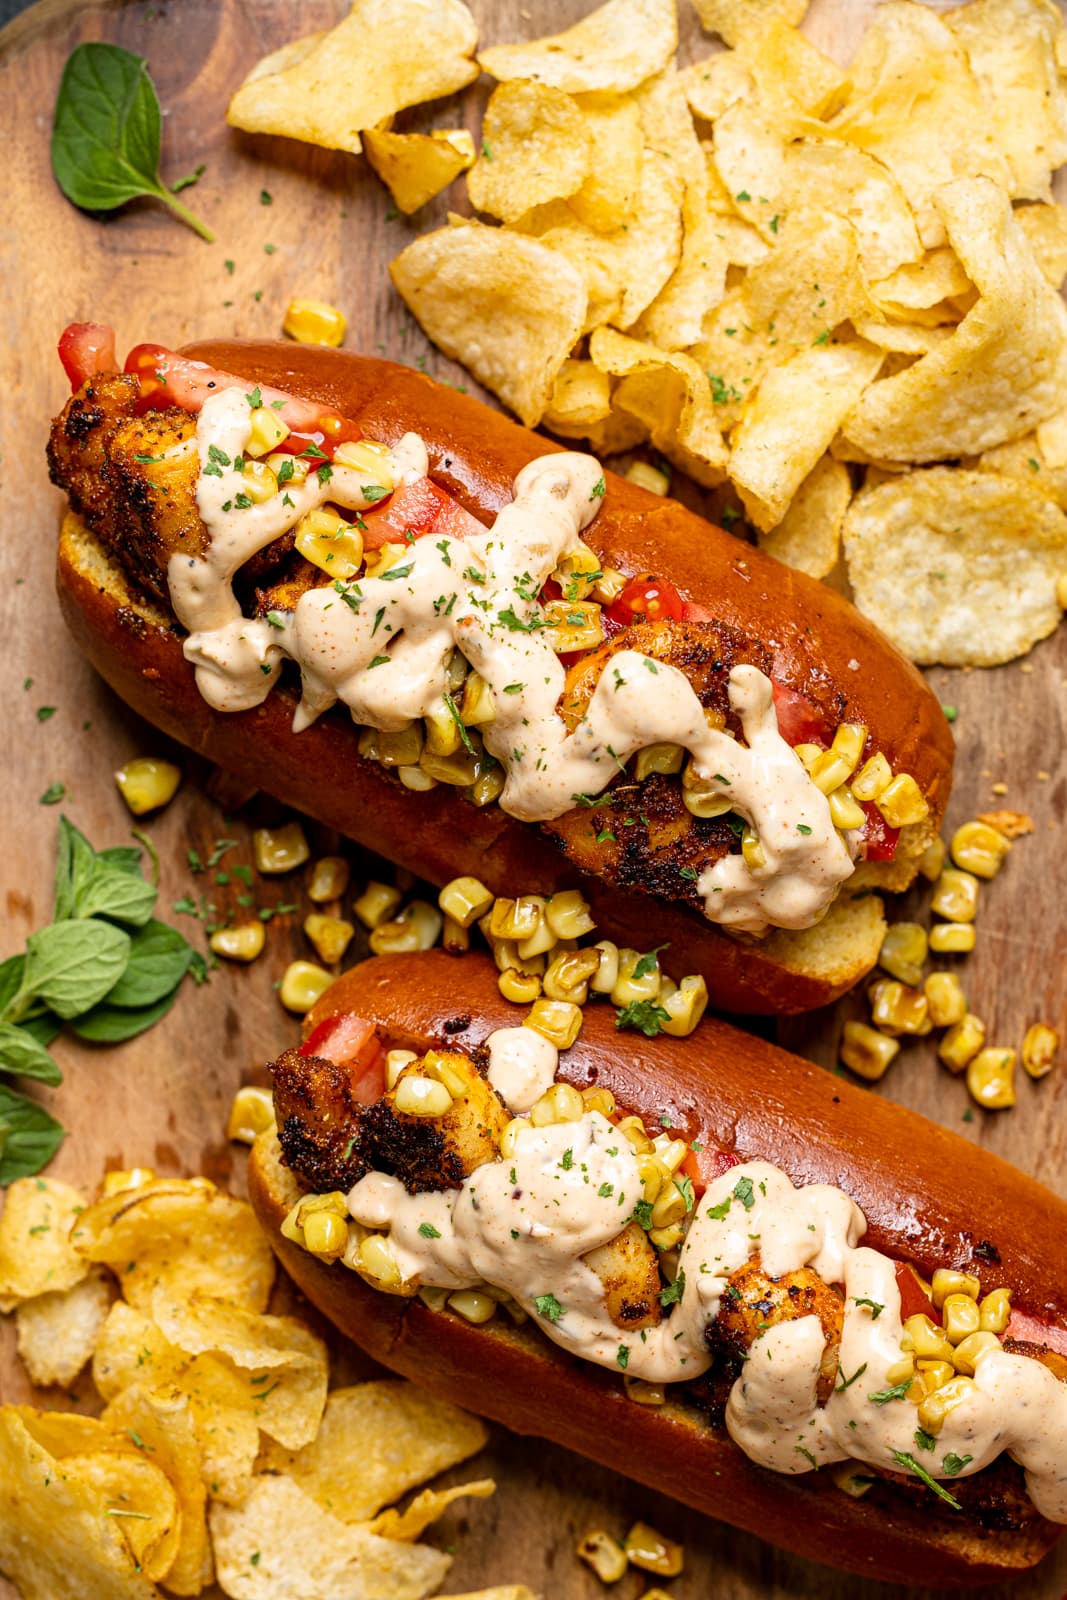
605 836
649 962
644 1016
839 1388
925 1441
148 461
801 1451
458 720
902 1459
275 619
313 453
351 595
803 828
515 624
373 492
567 1160
606 1191
722 393
643 1214
428 1231
255 399
379 661
743 1191
585 799
716 1213
689 873
398 572
514 688
285 471
876 1305
53 794
324 474
242 502
684 1187
623 1357
378 615
954 1464
547 1306
824 337
671 1295
45 713
442 545
898 1391
599 489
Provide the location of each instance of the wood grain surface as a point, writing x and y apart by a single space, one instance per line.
290 219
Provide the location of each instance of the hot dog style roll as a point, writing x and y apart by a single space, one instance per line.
475 652
807 1312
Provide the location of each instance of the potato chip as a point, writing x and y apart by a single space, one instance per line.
56 1540
790 422
750 157
609 192
416 166
1024 459
615 47
917 107
57 1332
536 147
581 395
288 55
809 535
1052 439
281 1542
1005 367
837 177
506 306
620 431
667 124
36 1256
1045 228
713 86
790 75
921 285
906 338
377 1440
958 568
670 394
161 1422
142 1502
1011 46
425 1509
675 319
385 55
181 1234
734 20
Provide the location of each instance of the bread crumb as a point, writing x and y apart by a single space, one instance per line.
1012 824
1043 777
1026 666
1000 788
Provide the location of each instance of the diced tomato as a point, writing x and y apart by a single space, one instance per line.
707 1164
879 839
691 612
418 509
1021 1326
800 721
352 1042
646 599
369 1087
87 350
914 1301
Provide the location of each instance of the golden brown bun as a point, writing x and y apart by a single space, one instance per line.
921 1187
816 638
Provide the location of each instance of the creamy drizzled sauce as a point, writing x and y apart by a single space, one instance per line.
524 1224
381 646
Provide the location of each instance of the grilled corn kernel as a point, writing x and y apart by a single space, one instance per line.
521 988
436 1299
932 860
979 848
289 470
378 1262
635 1133
376 904
991 1078
962 1042
401 748
665 758
567 977
416 779
416 1096
121 1180
873 778
945 998
454 939
465 900
268 432
146 784
507 958
604 1554
753 852
608 587
489 783
473 1306
386 557
325 1235
329 879
955 896
573 625
932 1374
302 984
460 770
1040 1049
335 546
902 803
952 938
540 942
644 1394
667 1238
649 1550
515 919
685 1006
904 951
670 1153
558 1021
653 1174
934 1408
867 1052
395 1062
829 770
242 943
959 1316
578 572
848 741
669 1206
314 322
969 1351
258 482
477 706
370 459
947 1282
509 1136
845 812
251 1113
896 1009
290 1225
901 1369
808 754
278 850
561 1103
994 1311
567 914
418 927
646 476
330 936
705 804
606 975
925 1340
601 1100
852 1478
443 735
629 987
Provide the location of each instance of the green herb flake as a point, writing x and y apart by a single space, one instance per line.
910 1464
548 1307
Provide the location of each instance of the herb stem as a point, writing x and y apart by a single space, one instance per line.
186 215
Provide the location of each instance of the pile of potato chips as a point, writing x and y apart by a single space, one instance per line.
807 286
220 1456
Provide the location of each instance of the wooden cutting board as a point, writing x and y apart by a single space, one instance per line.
290 219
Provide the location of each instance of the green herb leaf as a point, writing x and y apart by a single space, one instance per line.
24 1057
898 1391
53 794
159 960
108 1024
398 572
925 1441
428 1231
72 965
902 1459
30 1136
107 133
373 492
643 1214
547 1306
644 1016
954 1464
716 1213
649 962
876 1305
458 720
671 1295
846 1383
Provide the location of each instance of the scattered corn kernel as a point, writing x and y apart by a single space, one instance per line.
873 778
251 1113
925 1339
573 625
241 943
955 895
402 747
604 1554
561 1103
829 770
994 1311
932 860
268 432
515 919
454 939
845 811
848 741
945 998
991 1078
416 1096
395 1062
970 1351
567 914
120 1180
902 802
903 952
867 1052
330 936
979 848
258 482
278 850
147 783
329 879
558 1021
952 938
646 476
664 758
289 469
934 1408
473 1306
314 322
607 974
755 857
377 903
326 1235
962 1042
378 1262
649 1550
521 988
335 546
568 974
685 1006
896 1009
932 1374
959 1316
644 1394
1040 1049
418 927
629 987
947 1281
416 779
852 1478
302 984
